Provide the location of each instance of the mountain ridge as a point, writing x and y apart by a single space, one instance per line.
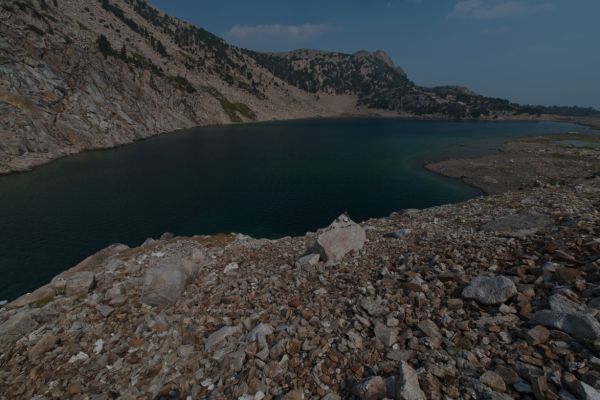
101 73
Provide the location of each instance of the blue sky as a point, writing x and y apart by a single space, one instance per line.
529 51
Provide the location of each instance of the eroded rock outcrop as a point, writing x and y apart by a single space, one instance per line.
339 239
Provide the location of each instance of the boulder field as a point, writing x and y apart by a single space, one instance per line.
494 298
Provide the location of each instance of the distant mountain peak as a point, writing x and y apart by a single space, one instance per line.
380 54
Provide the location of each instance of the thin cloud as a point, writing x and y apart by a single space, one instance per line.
277 32
489 9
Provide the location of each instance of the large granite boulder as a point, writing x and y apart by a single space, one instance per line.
490 290
73 283
16 327
38 297
165 282
406 384
338 239
582 326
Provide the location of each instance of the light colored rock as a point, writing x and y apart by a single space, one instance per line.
105 310
231 268
490 290
406 385
582 326
73 283
373 307
79 357
587 392
38 297
429 328
560 303
98 346
17 326
163 284
493 380
117 295
520 225
45 344
218 336
340 238
385 335
260 330
309 260
538 335
234 361
399 234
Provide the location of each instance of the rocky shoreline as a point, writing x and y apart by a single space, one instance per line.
528 162
497 297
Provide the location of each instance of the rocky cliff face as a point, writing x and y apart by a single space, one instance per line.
78 75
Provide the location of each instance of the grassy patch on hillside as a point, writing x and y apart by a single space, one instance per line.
233 110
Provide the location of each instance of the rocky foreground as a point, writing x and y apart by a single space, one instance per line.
497 298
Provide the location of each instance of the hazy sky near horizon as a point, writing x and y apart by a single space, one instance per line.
529 51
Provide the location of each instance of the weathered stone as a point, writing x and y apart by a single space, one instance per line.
373 307
340 238
105 310
297 394
539 385
429 328
36 298
17 326
234 361
218 336
355 340
399 234
455 304
520 225
79 357
307 261
582 326
231 268
373 388
163 284
387 336
587 392
73 283
406 385
490 290
560 303
538 335
493 380
45 344
117 295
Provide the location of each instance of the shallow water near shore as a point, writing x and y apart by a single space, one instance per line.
265 180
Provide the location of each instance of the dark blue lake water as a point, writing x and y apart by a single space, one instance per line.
265 180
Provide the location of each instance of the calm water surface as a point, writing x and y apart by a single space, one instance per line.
265 180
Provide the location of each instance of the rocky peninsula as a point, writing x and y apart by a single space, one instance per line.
494 298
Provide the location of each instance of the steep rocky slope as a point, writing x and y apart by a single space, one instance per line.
378 84
87 74
495 298
76 75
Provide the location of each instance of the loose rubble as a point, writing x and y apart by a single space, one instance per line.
450 310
